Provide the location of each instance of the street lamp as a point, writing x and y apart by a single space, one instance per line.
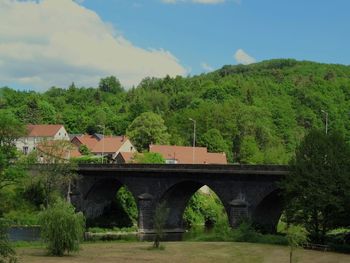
103 140
194 138
326 113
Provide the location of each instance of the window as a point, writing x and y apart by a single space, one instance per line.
25 150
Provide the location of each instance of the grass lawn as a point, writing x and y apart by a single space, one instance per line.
182 252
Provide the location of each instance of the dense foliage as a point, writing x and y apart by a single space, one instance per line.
204 208
146 129
259 112
10 129
62 228
7 253
149 157
318 189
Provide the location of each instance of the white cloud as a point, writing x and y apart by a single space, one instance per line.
206 67
243 58
51 42
211 2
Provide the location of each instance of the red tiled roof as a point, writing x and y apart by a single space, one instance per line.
110 144
216 158
43 130
127 156
89 140
74 153
184 154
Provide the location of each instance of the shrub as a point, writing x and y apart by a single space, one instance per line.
7 254
62 228
159 220
245 233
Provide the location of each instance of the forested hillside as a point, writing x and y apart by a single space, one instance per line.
256 113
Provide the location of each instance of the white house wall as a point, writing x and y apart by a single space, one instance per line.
126 147
61 134
32 142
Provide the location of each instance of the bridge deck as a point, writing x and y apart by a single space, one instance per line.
189 168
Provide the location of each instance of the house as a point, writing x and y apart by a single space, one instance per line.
86 139
188 155
111 146
39 133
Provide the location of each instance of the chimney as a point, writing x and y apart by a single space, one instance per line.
123 138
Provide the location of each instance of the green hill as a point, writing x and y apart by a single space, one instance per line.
256 113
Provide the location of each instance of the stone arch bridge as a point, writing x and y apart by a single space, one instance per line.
245 190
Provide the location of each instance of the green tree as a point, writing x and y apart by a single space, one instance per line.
297 237
56 177
111 85
84 150
149 157
148 129
249 151
317 190
10 130
214 141
62 228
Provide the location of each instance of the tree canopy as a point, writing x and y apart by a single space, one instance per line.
148 129
10 130
318 189
268 106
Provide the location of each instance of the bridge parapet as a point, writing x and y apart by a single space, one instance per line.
190 168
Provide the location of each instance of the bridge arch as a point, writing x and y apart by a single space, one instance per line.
100 195
268 212
177 197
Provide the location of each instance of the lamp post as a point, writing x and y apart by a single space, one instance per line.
194 138
103 140
326 113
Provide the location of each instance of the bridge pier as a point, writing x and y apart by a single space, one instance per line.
146 213
238 212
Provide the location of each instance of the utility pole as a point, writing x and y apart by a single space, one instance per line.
103 140
194 139
326 114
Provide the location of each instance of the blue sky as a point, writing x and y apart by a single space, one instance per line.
158 37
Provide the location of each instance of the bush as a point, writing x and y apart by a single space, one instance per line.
62 228
88 159
245 233
7 254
